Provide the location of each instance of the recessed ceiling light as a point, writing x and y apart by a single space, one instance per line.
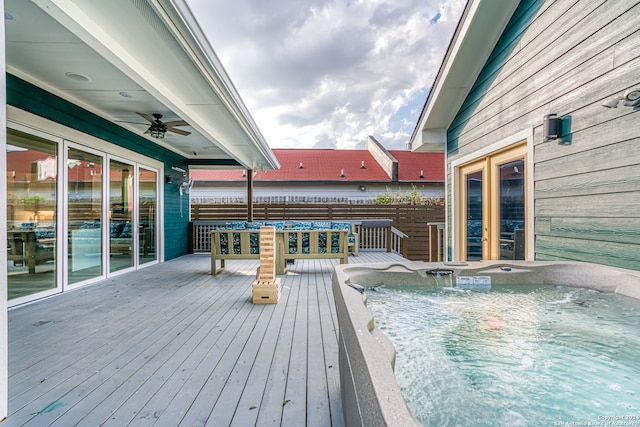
77 77
125 95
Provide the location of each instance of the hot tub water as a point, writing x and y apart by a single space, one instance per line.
515 355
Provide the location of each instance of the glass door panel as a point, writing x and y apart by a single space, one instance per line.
147 203
84 216
474 212
473 184
511 211
32 176
121 207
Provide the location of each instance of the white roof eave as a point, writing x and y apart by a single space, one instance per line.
480 28
225 121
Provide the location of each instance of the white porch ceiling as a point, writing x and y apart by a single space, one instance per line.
146 56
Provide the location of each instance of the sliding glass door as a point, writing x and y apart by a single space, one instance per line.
107 206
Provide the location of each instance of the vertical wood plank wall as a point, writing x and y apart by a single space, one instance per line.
567 57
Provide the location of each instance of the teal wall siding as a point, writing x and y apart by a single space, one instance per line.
566 57
33 99
523 15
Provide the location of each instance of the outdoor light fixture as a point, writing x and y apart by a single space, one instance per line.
157 131
631 98
551 127
362 188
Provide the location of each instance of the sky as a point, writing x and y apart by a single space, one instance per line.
325 73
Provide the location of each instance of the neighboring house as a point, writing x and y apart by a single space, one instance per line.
92 175
514 188
327 176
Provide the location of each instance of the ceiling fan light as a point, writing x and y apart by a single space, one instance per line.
157 131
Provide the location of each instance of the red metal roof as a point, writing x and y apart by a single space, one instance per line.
410 165
317 165
329 164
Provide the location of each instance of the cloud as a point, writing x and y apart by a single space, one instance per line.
329 73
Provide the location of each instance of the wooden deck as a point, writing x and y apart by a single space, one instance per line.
172 345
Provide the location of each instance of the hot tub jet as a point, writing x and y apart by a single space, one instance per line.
439 272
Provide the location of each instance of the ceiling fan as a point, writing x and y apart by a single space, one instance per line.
158 128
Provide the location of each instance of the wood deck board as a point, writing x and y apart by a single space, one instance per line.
173 345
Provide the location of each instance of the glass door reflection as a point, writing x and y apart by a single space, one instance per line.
512 209
148 183
32 177
84 216
473 215
121 208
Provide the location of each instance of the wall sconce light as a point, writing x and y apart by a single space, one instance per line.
551 127
167 179
362 188
631 98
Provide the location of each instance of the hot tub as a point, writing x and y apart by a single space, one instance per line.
370 392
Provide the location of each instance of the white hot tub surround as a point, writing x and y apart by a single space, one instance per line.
370 393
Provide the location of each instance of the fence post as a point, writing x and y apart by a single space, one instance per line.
190 242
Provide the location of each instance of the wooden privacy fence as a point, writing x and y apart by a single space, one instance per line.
409 220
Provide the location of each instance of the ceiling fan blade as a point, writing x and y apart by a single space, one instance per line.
146 117
178 131
177 123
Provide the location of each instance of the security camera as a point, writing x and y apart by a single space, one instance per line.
632 97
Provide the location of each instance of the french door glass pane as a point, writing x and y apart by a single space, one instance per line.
84 215
147 214
120 215
512 199
474 215
32 176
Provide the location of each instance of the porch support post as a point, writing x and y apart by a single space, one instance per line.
4 323
249 195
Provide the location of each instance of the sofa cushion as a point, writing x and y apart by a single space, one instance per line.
302 225
322 225
239 225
